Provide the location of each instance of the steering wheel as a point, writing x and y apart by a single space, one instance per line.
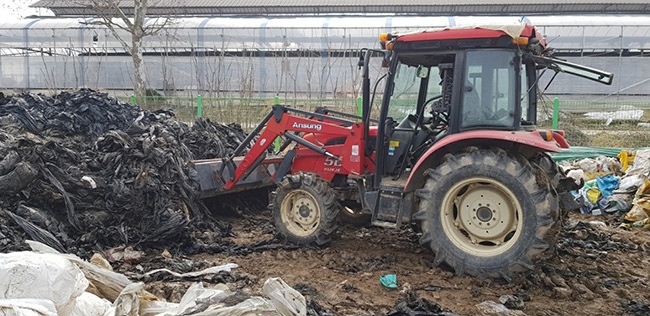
438 116
432 99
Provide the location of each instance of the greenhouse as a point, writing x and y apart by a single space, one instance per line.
293 57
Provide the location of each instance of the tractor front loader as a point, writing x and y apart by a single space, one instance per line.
455 151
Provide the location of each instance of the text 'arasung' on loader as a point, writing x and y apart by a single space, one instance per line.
450 146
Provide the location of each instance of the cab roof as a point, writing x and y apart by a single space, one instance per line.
463 37
471 32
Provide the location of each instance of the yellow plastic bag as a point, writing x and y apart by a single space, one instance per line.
626 158
593 194
637 213
644 189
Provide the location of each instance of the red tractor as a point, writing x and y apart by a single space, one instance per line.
450 147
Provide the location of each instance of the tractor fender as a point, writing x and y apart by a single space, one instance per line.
526 142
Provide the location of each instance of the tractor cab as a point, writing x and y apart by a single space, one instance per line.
438 88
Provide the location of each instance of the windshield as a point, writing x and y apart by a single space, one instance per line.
406 89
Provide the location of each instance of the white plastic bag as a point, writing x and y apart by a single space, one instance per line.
286 300
588 165
41 276
27 307
253 306
631 183
211 270
199 301
641 164
89 304
128 302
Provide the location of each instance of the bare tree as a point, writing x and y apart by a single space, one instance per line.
113 14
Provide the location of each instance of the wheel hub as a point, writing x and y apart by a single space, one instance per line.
304 211
300 212
485 214
482 216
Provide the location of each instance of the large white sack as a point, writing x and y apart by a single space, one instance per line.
109 284
41 276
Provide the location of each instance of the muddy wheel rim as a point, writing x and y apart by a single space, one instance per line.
481 216
352 213
300 213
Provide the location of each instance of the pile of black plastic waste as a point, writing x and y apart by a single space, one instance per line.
81 171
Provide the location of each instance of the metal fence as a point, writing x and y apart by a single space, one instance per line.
598 115
247 112
599 123
587 123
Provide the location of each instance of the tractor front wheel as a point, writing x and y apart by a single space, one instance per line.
484 213
305 209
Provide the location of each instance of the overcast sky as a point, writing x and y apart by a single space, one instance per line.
17 9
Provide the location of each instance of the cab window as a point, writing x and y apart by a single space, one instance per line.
489 85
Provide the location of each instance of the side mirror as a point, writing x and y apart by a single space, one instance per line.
362 54
422 72
385 62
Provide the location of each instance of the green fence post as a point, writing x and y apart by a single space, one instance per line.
556 112
276 143
133 99
359 107
199 106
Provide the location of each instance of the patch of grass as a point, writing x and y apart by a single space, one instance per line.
574 135
620 140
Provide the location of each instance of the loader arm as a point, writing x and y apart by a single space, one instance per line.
281 122
255 169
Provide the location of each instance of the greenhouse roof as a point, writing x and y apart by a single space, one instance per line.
327 7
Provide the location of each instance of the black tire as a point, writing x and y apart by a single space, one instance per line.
304 209
549 174
484 214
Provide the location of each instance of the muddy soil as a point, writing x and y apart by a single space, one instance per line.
598 271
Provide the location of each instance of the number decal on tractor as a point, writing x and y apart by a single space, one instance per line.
333 162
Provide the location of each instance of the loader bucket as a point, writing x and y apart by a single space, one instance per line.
213 177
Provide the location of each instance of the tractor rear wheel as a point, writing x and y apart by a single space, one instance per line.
484 214
305 209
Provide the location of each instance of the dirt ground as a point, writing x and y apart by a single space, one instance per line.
598 271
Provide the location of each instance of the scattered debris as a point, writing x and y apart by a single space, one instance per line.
493 308
81 170
212 270
412 305
615 186
512 301
61 291
389 281
588 241
636 307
